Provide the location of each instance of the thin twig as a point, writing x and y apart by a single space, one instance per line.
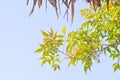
63 60
27 2
97 51
46 5
59 7
68 6
100 50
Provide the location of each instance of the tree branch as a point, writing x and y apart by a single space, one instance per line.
97 51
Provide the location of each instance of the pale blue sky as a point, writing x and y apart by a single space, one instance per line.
20 36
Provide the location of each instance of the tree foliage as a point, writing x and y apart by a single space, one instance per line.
99 35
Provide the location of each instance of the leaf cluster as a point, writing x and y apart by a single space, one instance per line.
100 34
52 41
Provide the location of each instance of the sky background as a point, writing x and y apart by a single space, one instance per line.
20 36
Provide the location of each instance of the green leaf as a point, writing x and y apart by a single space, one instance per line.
85 68
43 62
119 67
55 68
49 61
115 66
114 56
57 60
38 50
111 55
108 49
42 45
68 47
69 64
42 58
44 33
60 36
117 49
46 52
73 63
59 67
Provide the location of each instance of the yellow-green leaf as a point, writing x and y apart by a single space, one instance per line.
68 41
64 30
38 50
60 36
57 60
43 62
44 33
58 67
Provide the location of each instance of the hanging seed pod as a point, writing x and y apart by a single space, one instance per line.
119 2
72 10
34 4
88 1
53 2
27 2
97 3
39 3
